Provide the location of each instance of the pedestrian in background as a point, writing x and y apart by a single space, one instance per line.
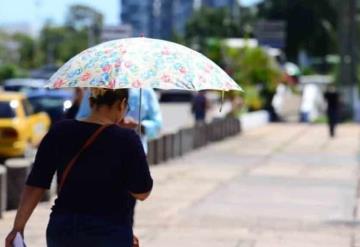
199 107
151 118
332 111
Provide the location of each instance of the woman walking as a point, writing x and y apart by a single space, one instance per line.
102 170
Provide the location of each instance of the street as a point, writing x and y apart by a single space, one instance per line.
280 185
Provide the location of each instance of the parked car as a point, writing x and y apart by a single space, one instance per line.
54 102
24 85
20 128
45 72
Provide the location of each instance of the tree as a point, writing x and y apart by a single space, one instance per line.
8 71
81 17
257 72
82 28
213 50
62 43
8 49
26 50
56 44
217 23
210 23
311 25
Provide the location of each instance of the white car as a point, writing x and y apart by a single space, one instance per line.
24 85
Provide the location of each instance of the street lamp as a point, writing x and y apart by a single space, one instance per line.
348 55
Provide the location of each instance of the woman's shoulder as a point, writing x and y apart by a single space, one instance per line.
72 127
119 136
122 132
63 124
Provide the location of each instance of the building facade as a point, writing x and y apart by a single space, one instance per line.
163 19
219 3
157 18
183 10
116 32
138 14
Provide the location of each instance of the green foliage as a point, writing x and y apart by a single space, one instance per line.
308 71
252 98
177 38
321 120
27 50
8 71
19 49
82 17
83 25
311 25
218 23
7 49
56 44
256 72
62 43
253 66
211 22
213 50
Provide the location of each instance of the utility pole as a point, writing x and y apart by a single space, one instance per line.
348 80
38 6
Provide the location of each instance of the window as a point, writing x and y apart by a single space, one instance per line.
28 109
45 104
6 111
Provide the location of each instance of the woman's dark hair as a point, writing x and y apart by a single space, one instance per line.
107 97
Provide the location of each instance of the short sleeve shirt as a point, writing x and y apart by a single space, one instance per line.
101 180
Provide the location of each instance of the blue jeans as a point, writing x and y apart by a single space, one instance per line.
75 230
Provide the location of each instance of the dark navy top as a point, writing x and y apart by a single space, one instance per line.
100 181
199 106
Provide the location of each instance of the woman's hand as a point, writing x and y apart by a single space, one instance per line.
140 196
11 236
136 242
29 199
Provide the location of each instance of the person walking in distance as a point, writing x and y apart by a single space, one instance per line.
199 107
332 111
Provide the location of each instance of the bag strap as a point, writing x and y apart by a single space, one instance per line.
72 162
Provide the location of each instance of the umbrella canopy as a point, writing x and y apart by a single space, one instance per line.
142 63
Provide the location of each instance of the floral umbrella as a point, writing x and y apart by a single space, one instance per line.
140 63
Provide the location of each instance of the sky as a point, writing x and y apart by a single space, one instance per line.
37 12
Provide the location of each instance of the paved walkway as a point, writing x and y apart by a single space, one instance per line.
281 185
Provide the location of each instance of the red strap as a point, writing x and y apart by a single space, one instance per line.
72 162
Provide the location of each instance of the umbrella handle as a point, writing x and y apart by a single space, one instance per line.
222 100
140 102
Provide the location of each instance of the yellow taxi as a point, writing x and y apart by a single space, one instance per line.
21 129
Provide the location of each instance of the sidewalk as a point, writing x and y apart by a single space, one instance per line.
281 185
